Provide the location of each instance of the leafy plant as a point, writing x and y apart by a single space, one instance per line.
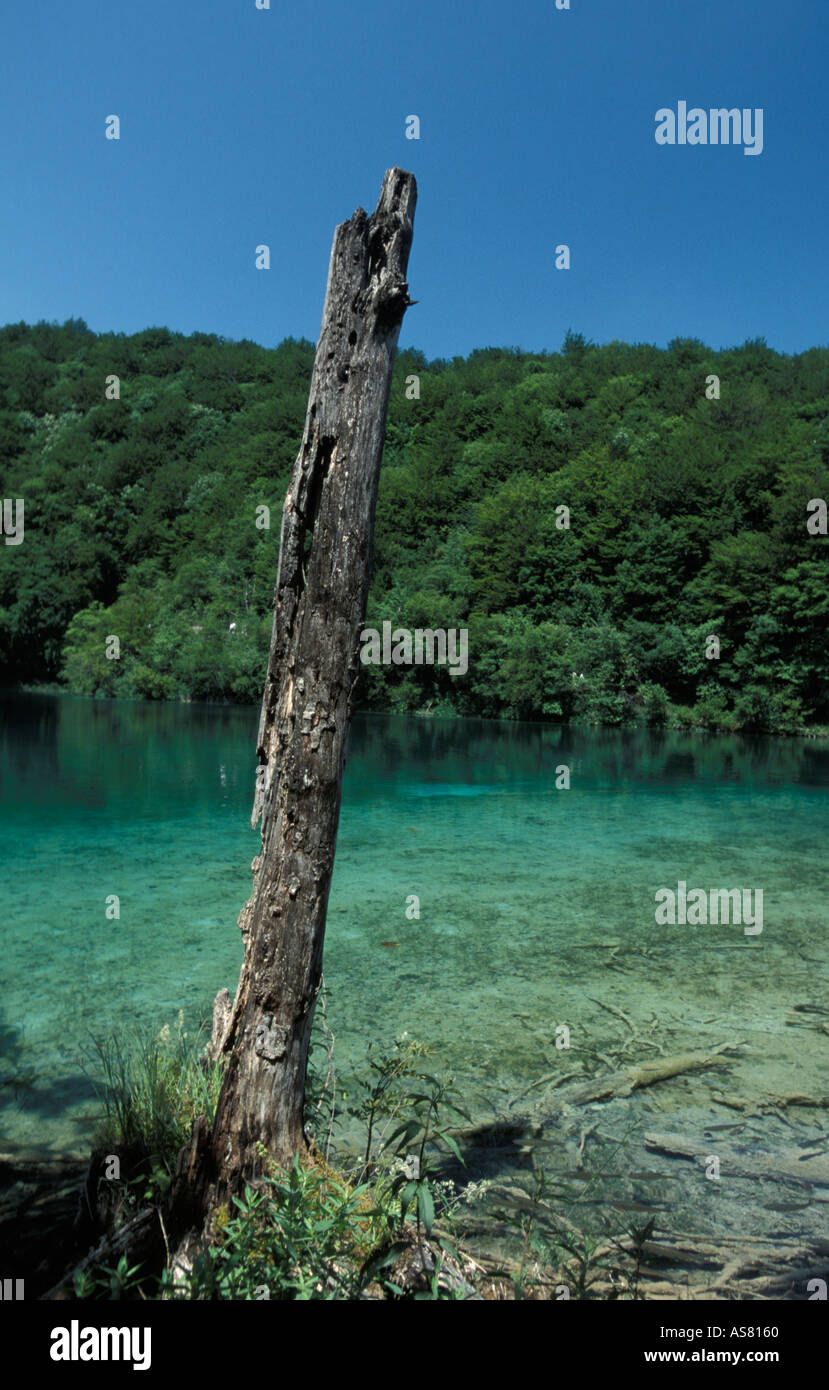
99 1281
420 1138
300 1234
386 1091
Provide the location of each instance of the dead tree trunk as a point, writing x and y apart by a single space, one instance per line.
320 600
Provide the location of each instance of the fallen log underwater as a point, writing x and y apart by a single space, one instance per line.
807 1168
619 1084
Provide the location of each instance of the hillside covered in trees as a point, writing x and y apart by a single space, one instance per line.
687 519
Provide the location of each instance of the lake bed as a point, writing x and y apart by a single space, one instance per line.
505 920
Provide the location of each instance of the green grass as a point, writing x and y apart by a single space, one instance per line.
152 1088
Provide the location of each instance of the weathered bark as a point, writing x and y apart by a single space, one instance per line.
320 601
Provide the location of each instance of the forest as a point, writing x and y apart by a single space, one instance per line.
593 517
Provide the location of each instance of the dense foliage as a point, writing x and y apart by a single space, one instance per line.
687 519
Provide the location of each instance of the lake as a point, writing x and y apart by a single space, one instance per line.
537 910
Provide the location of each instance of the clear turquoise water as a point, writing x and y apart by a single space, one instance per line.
535 903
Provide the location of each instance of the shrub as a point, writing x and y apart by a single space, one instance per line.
300 1234
654 700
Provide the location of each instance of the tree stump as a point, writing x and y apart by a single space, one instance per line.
320 600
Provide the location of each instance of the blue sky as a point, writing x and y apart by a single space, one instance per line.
242 126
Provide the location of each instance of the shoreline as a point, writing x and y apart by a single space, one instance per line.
807 733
